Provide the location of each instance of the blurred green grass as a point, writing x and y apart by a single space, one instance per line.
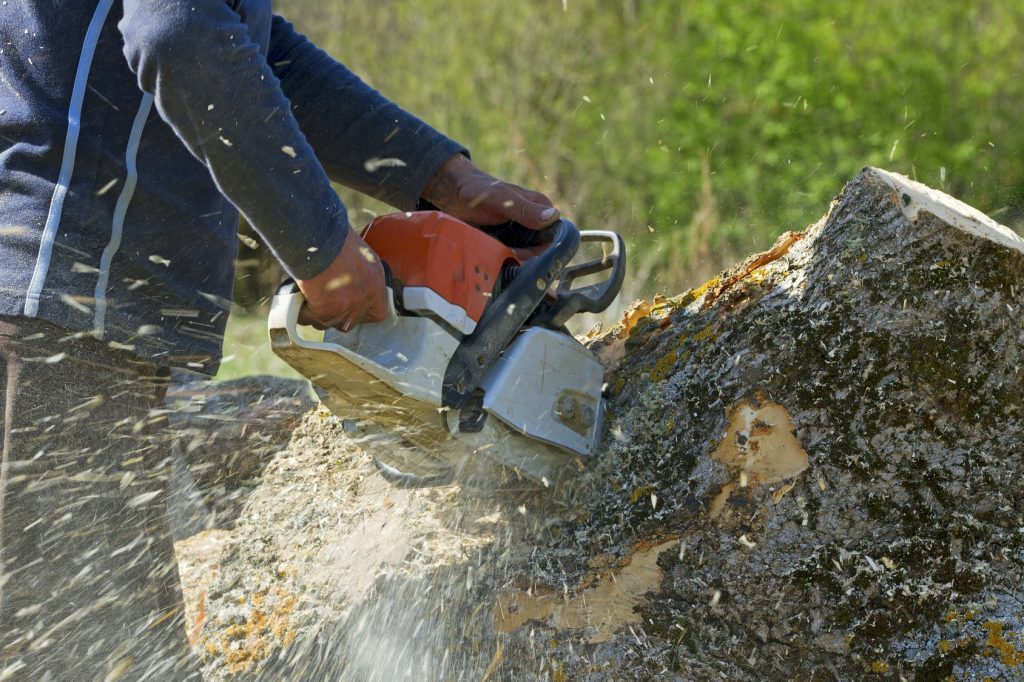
247 349
700 131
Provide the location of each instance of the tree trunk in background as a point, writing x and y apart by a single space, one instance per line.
813 471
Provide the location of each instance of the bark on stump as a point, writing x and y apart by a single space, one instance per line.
835 438
813 471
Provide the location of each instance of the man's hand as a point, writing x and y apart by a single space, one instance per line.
350 291
461 189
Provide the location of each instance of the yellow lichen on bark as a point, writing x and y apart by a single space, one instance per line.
267 625
1009 654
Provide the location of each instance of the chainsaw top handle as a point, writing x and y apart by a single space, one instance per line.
507 314
589 298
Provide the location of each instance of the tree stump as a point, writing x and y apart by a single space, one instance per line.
831 436
813 470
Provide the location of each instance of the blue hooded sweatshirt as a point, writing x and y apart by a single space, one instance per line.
132 132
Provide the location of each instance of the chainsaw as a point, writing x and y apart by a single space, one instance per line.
473 369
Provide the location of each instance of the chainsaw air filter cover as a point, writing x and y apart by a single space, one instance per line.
446 268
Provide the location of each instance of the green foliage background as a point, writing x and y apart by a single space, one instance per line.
701 129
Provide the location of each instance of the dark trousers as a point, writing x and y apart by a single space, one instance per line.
89 586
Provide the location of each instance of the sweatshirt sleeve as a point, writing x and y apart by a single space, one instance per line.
363 140
215 88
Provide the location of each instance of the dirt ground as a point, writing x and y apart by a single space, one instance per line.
287 569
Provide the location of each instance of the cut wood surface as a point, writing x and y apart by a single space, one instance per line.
813 470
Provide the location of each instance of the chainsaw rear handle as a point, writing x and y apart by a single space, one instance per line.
286 307
590 298
288 287
507 314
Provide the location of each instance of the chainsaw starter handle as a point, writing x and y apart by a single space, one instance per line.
507 314
590 298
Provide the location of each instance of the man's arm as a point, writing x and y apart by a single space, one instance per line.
370 144
218 92
214 87
363 140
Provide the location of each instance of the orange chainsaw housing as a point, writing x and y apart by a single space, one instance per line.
434 250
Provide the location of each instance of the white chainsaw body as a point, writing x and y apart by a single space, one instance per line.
542 397
473 366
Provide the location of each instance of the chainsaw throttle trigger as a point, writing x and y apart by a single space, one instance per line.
589 298
507 314
396 286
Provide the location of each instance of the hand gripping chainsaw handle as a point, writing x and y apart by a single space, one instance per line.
288 287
